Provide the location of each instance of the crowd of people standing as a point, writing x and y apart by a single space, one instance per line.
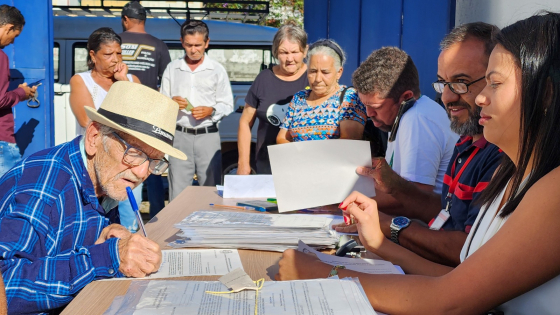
464 189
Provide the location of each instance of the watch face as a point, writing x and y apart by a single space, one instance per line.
401 222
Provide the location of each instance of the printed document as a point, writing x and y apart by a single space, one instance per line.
316 173
304 297
249 186
372 266
195 262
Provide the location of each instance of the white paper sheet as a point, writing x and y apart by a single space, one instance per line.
317 173
305 297
194 262
249 186
372 266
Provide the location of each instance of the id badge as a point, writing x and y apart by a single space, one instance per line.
440 220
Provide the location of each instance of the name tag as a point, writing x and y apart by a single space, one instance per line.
440 220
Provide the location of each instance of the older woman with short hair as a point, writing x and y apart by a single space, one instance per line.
269 96
328 110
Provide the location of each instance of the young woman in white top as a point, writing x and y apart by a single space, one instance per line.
511 259
105 68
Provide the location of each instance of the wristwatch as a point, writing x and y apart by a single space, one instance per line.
213 111
397 225
334 270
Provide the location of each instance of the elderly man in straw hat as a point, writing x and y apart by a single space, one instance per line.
57 215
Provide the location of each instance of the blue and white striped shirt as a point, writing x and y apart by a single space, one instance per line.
50 219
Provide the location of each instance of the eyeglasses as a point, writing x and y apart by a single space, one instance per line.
455 87
135 157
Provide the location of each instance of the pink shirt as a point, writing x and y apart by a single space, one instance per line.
7 100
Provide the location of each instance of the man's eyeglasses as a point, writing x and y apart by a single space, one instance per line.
135 157
455 87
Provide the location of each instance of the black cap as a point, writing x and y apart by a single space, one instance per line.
134 10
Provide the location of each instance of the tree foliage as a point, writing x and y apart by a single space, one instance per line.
281 11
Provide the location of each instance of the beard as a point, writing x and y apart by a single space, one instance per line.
109 188
470 127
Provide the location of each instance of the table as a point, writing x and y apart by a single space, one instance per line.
97 296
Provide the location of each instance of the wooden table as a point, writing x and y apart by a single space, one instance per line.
97 296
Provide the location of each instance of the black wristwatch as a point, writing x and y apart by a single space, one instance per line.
397 225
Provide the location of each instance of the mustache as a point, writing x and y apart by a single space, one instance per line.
128 175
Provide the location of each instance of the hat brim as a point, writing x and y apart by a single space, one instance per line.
151 141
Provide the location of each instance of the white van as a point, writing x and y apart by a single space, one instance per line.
243 49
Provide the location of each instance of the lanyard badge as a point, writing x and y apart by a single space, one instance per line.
444 215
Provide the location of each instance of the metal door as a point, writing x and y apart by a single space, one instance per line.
31 60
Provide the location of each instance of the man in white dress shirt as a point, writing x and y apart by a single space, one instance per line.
200 85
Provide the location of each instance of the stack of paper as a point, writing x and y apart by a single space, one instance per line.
305 297
273 232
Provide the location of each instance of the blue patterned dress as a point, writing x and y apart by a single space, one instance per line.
305 122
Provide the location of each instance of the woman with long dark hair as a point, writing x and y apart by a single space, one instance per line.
511 259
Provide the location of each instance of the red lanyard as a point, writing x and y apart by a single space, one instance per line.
455 180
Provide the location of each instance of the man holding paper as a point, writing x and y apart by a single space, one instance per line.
420 140
462 62
203 81
58 205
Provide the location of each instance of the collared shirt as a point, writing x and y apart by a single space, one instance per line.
472 182
207 85
7 101
50 219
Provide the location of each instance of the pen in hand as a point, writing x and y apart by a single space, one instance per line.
135 208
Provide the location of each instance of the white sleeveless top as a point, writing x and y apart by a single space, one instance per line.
542 300
97 93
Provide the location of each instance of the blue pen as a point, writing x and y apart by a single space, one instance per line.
135 208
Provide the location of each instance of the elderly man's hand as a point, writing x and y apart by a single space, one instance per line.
139 256
113 230
297 265
386 180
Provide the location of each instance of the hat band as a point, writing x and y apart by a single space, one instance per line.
138 125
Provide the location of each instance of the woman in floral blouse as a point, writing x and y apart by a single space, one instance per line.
327 110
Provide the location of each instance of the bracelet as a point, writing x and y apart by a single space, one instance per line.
334 270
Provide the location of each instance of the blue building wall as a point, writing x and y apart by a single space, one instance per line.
361 26
31 60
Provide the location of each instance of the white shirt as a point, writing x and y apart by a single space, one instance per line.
424 144
207 85
542 299
97 94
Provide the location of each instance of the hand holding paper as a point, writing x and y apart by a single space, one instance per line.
317 173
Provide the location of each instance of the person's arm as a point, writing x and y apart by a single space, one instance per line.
397 196
244 139
3 301
224 97
283 136
521 256
79 99
352 116
135 79
351 129
11 98
36 282
165 87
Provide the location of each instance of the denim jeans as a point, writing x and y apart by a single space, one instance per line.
9 156
128 217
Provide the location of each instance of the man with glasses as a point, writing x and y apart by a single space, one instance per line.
461 72
59 226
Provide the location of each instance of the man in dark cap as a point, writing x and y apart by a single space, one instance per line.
146 57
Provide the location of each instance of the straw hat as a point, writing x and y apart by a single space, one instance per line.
142 113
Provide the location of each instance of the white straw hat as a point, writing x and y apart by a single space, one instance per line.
142 113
